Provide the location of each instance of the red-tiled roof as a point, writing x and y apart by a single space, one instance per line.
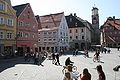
113 22
52 20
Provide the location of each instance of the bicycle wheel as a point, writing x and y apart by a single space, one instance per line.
64 70
94 59
74 68
98 59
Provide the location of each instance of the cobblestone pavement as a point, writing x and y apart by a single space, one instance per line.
53 72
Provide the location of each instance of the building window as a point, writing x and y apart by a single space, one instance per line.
46 26
10 22
20 23
9 34
54 39
60 33
1 20
39 40
33 35
26 35
20 34
45 33
82 37
1 34
70 37
33 26
27 25
49 33
2 6
106 28
76 31
110 27
45 39
54 32
50 39
66 34
76 37
82 30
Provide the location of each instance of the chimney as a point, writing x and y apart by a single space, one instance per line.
71 14
75 15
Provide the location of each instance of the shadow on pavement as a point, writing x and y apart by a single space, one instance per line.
8 63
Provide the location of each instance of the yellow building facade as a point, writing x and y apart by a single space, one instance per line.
7 28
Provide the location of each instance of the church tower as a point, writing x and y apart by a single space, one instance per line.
95 24
95 18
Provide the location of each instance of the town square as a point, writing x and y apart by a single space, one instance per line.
59 40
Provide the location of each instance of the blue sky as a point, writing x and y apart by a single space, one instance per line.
81 7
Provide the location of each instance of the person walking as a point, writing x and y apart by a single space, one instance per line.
40 59
86 75
118 47
57 58
36 58
53 58
86 53
97 54
100 73
76 52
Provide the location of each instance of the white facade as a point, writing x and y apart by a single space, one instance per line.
54 38
80 35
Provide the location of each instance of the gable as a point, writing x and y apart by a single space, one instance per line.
19 9
52 20
25 13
